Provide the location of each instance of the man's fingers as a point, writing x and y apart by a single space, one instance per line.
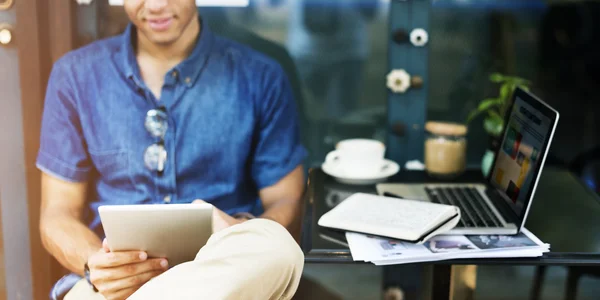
103 275
105 246
123 285
115 259
121 294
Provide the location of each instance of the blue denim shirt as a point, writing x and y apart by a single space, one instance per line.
233 128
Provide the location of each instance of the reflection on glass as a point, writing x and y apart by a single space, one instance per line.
469 40
330 43
335 48
335 53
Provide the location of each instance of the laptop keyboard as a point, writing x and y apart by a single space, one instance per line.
473 208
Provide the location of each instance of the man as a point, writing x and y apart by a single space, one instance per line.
168 112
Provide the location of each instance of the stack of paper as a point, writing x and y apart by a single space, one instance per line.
382 251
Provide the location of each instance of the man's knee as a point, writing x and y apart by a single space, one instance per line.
256 257
284 260
273 241
282 247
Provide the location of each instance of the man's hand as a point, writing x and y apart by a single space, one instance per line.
117 275
221 220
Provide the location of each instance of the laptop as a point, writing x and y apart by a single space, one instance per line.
501 204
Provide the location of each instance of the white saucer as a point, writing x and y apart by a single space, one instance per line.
338 174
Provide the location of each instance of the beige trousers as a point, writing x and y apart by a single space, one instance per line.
257 259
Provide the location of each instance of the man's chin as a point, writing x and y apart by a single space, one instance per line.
164 42
162 39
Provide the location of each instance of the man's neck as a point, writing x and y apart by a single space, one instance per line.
171 54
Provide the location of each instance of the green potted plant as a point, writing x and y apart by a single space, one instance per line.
495 110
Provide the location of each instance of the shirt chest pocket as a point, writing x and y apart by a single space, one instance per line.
113 168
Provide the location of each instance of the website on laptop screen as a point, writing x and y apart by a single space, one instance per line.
520 153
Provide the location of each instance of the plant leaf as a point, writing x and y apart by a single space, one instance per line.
493 123
472 115
520 81
483 106
487 103
506 91
495 114
496 77
499 78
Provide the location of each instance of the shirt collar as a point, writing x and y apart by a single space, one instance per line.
187 71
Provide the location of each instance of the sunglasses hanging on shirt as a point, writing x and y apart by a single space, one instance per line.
156 123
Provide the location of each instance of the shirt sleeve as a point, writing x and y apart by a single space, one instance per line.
62 151
278 148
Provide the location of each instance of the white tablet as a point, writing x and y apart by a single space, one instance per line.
174 231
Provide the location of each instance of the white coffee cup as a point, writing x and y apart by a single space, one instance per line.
358 157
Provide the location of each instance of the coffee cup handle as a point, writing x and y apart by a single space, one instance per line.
332 157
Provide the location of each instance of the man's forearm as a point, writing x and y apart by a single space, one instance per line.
287 213
69 241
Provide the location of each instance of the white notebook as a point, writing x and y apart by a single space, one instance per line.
409 220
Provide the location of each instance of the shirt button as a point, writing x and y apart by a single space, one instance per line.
167 199
188 80
174 74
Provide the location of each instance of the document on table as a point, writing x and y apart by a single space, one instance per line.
383 251
408 220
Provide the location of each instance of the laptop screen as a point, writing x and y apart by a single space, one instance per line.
518 160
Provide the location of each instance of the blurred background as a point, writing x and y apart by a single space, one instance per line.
336 54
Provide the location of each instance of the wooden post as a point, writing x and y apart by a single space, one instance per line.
34 68
45 31
62 24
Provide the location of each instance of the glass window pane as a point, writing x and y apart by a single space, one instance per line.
544 42
338 49
334 52
469 41
336 55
